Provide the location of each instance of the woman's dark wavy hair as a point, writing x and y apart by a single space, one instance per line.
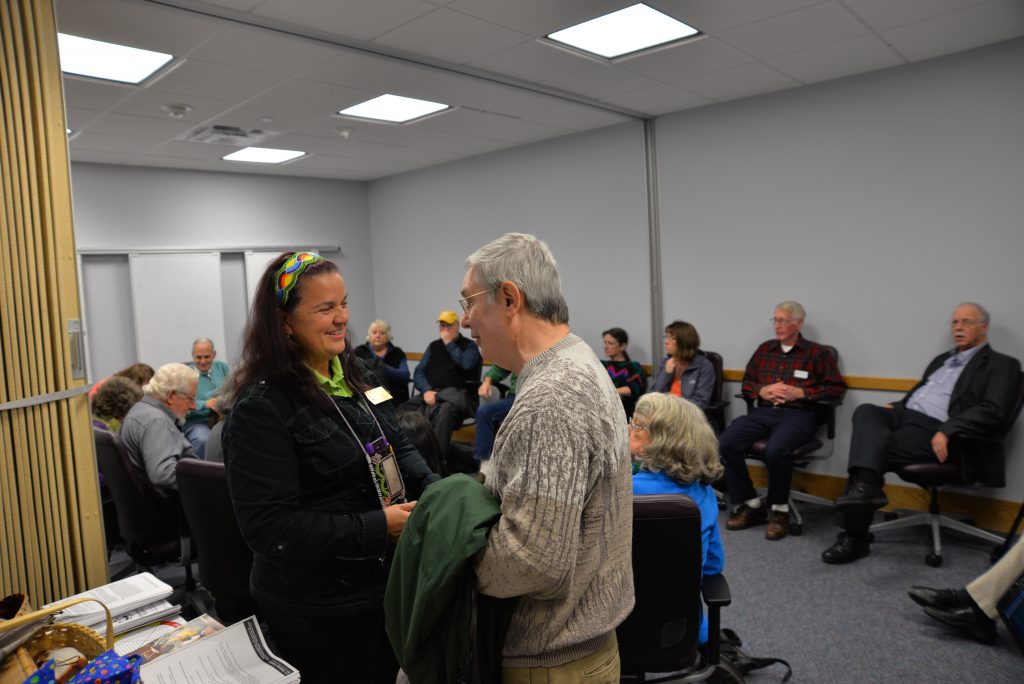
268 353
621 336
115 398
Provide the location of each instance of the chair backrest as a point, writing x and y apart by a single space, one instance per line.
660 635
979 458
716 362
146 520
224 558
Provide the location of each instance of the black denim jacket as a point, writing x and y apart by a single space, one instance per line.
306 502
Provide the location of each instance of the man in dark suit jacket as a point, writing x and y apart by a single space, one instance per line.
968 391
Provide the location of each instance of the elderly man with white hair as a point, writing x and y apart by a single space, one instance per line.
784 378
152 429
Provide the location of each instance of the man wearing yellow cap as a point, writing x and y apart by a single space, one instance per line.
446 379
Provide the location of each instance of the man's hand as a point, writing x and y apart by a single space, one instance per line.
449 333
940 445
396 516
780 393
211 404
888 406
430 397
485 388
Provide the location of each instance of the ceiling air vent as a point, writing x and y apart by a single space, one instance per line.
229 135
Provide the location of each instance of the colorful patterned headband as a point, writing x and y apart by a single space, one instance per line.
288 274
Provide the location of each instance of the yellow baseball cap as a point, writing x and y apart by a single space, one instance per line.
448 317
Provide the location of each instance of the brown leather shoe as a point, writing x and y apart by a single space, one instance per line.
746 516
778 526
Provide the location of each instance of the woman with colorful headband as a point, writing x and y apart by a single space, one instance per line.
321 477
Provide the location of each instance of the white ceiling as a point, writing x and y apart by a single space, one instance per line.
286 65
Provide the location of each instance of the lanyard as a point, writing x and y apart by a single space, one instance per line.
389 491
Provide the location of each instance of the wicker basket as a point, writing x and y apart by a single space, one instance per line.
20 665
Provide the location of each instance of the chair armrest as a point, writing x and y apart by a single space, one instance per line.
715 590
716 405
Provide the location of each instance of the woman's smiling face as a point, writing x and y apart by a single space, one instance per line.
319 321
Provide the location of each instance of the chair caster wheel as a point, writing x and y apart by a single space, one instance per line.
890 515
796 529
933 559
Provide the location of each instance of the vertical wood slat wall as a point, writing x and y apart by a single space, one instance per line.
51 532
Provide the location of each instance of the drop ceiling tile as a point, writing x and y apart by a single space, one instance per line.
451 36
659 99
369 72
78 118
882 14
188 150
98 157
217 81
264 50
137 24
118 144
741 81
415 136
86 93
252 115
576 117
361 19
859 55
718 15
537 17
310 96
689 58
138 126
600 82
963 30
237 5
535 58
489 125
796 31
148 102
354 148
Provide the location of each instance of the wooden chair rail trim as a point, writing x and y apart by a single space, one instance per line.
859 382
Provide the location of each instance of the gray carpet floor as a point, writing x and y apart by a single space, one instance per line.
855 623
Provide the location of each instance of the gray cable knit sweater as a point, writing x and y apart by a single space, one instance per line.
563 542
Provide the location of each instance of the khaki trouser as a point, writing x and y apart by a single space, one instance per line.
989 587
600 668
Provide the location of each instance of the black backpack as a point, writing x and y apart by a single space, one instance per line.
735 664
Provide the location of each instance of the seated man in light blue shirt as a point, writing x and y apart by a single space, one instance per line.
968 390
212 374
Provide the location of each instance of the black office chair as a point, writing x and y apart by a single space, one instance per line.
972 459
660 635
715 410
225 560
152 527
817 449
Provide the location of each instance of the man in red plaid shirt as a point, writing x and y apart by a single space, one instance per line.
784 378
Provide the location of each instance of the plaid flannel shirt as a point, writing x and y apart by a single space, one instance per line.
821 379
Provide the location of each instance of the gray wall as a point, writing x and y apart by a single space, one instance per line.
584 195
879 202
120 209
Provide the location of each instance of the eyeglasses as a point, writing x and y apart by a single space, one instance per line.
780 321
191 397
466 304
966 322
635 427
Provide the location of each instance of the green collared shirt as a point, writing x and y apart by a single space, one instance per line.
336 385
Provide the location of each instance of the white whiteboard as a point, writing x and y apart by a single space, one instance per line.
255 264
175 299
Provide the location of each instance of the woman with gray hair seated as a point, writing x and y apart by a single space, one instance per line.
675 451
152 429
386 360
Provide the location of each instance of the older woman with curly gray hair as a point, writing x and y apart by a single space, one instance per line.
152 429
675 452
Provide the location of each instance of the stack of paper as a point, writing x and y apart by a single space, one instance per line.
133 601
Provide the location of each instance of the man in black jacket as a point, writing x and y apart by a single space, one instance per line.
447 378
966 391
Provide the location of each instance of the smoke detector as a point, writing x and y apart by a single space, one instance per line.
229 135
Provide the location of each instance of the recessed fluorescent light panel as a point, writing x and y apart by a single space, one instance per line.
393 109
263 155
108 61
628 30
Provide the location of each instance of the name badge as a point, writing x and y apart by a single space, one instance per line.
377 395
802 374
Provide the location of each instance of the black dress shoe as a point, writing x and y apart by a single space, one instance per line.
940 598
971 621
846 549
861 496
